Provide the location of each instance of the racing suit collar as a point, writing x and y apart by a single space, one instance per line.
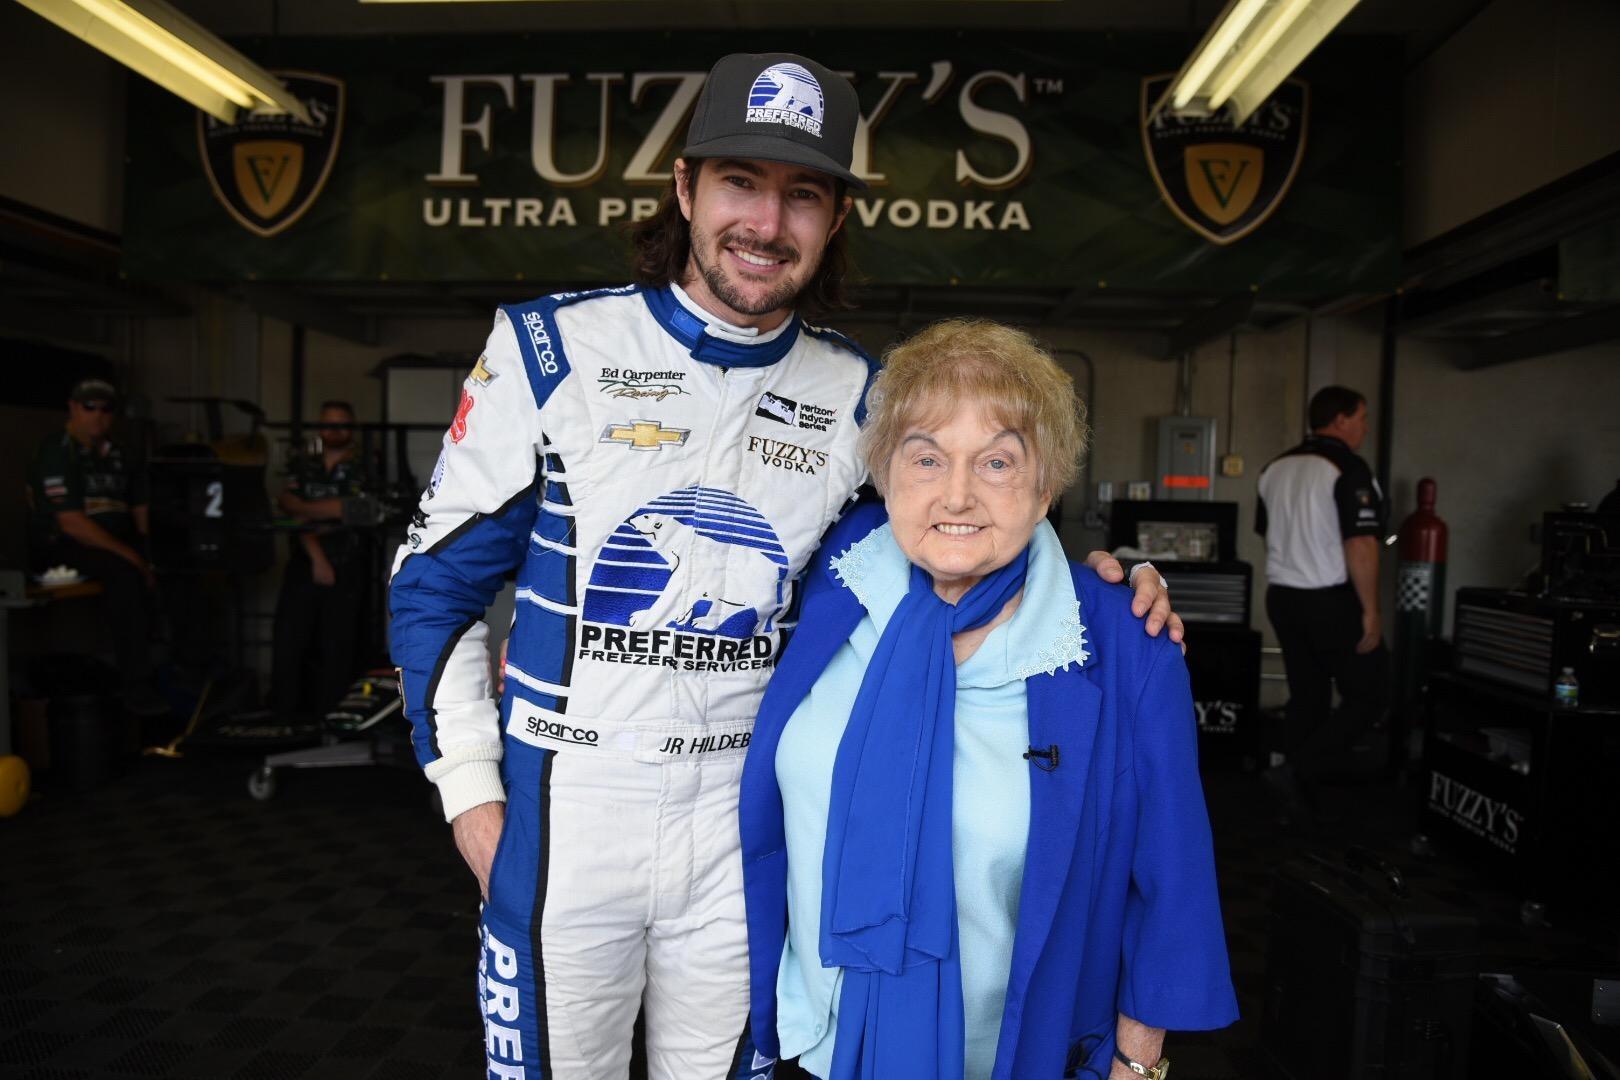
713 342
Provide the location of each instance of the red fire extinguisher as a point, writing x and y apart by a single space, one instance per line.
1420 591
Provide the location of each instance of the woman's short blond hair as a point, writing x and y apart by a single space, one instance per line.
1005 370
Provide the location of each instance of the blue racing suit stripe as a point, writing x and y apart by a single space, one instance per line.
539 645
539 342
541 639
537 911
438 593
555 527
548 573
511 969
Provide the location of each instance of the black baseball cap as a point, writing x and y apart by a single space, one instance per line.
86 391
777 107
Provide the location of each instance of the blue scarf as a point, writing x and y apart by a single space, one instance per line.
888 911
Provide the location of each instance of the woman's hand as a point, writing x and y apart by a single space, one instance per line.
1152 597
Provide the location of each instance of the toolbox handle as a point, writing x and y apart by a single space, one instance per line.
1359 858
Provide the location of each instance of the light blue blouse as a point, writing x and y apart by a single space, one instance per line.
990 823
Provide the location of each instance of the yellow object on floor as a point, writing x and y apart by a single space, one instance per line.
13 784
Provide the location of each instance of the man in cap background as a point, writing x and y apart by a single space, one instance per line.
658 461
89 511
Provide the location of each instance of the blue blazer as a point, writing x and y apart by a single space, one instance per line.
1119 912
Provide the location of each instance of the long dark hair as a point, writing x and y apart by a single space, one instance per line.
662 247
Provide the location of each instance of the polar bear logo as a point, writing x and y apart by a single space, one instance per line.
753 580
788 87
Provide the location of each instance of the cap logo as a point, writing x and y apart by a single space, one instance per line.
787 94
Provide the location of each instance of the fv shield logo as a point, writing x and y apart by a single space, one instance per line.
662 567
787 94
1224 181
268 168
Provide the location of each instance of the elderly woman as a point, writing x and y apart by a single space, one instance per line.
974 837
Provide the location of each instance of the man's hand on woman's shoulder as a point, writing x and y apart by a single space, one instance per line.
1152 596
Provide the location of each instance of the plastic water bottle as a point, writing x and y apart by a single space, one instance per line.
1566 691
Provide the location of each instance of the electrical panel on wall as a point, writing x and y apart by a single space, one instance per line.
1186 467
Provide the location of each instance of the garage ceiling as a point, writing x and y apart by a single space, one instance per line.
1491 281
1422 24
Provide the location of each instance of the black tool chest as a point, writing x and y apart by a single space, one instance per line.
1365 977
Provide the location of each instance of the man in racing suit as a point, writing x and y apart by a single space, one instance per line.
659 462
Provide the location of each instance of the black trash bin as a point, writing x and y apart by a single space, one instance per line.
87 728
87 735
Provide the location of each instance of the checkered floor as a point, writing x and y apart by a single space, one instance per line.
167 925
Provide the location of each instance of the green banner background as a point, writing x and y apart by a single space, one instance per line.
1093 210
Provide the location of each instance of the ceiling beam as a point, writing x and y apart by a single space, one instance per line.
1210 323
1519 228
1560 335
1072 302
78 295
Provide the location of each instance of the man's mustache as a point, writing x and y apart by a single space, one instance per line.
774 249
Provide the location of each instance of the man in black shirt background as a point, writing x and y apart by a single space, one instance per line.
1323 518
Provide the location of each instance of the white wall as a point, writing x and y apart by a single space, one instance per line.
1504 444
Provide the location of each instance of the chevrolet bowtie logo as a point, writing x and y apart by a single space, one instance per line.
644 435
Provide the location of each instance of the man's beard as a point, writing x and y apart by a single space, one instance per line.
714 276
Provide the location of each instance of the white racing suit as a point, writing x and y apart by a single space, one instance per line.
658 482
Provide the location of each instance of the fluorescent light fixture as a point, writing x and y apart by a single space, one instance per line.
1249 50
1215 48
1277 23
155 40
